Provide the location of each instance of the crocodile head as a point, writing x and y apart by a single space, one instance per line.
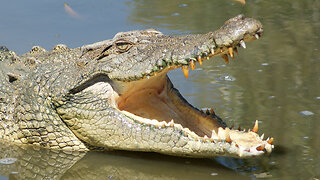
126 101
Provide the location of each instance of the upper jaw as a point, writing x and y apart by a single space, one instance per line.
187 50
152 52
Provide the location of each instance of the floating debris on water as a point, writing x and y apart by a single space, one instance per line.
7 161
265 64
175 14
222 66
110 176
272 163
226 77
263 175
271 97
214 174
183 5
306 113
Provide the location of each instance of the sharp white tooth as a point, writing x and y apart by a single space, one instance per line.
257 36
162 124
221 133
212 51
214 135
243 44
171 123
262 136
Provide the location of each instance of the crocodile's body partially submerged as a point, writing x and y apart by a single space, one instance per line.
115 94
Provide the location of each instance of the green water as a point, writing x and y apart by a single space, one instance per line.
275 80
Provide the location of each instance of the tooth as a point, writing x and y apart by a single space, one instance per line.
260 148
230 49
207 112
205 138
228 139
171 123
257 36
185 70
262 136
255 127
243 44
163 124
212 51
212 112
270 141
200 60
235 50
192 65
225 57
214 135
223 133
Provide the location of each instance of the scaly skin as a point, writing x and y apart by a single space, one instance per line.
115 94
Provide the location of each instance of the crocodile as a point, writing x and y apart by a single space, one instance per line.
116 95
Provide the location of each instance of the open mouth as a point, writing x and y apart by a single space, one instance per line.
133 82
154 101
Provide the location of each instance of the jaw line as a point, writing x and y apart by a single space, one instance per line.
247 143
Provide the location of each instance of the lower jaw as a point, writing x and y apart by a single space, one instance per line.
163 103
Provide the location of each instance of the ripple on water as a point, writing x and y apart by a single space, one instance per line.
306 113
214 174
226 77
183 5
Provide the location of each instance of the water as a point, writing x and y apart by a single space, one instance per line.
275 80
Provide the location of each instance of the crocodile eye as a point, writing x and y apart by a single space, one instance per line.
123 46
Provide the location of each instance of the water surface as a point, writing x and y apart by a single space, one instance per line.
275 80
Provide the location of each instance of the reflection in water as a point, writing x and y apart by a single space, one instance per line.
36 163
273 80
